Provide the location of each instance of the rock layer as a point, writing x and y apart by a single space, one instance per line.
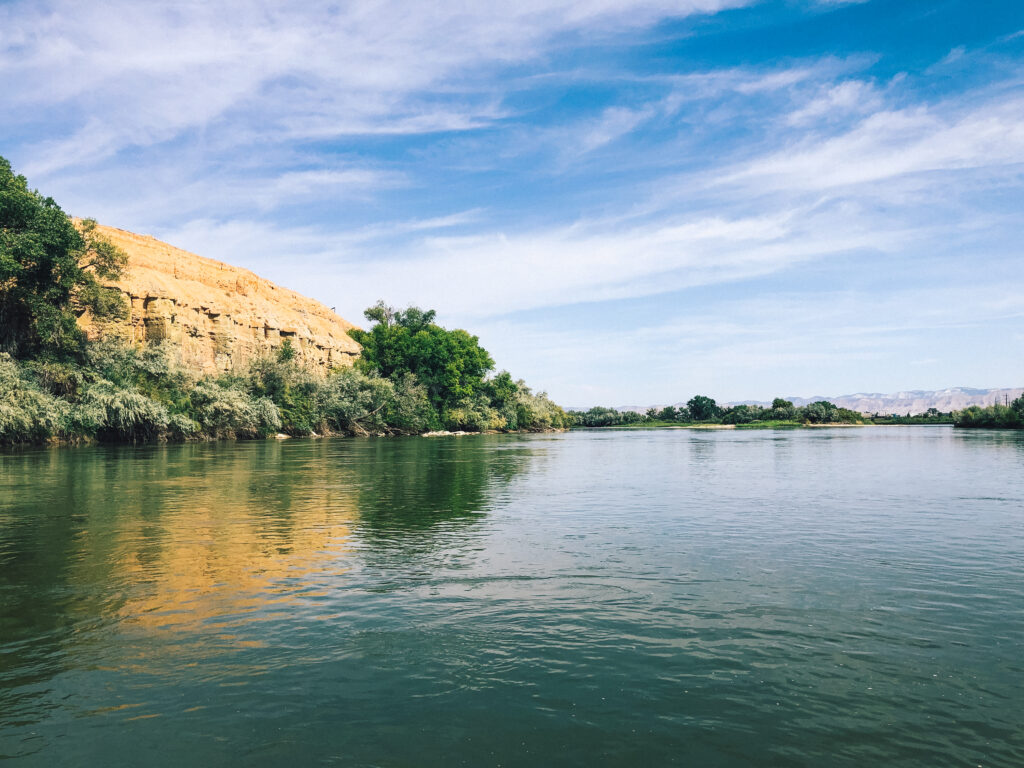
219 316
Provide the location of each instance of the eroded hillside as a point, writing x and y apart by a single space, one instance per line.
219 316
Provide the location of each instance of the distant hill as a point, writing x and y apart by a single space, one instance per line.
916 400
911 401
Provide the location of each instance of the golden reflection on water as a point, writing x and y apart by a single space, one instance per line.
150 559
220 565
210 552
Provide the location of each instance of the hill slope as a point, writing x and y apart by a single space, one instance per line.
220 316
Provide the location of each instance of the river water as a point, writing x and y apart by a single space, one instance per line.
841 597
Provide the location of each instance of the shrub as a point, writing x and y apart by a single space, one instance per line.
229 411
365 403
293 389
539 412
181 427
409 410
120 413
27 414
58 378
992 417
473 413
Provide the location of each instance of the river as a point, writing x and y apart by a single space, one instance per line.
841 597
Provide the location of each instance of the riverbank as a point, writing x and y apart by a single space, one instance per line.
717 426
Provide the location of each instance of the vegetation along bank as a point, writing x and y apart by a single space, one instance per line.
55 384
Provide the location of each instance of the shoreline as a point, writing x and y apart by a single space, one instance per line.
756 425
83 442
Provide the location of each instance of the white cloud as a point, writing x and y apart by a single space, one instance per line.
889 144
831 342
494 272
849 96
134 74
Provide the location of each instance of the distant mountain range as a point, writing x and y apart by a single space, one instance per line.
912 401
916 400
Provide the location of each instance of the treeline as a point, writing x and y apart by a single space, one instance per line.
413 376
704 410
139 393
931 416
992 417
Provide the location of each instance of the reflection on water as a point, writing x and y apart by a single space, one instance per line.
846 597
178 550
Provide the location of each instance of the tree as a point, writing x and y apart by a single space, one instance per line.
702 408
821 412
668 413
742 414
50 272
783 409
450 364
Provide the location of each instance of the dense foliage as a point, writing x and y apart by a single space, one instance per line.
454 371
50 272
931 416
413 376
138 393
701 409
993 417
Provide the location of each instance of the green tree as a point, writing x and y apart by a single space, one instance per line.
702 408
783 409
451 365
50 272
821 412
742 414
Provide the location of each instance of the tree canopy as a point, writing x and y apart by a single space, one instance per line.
50 272
450 364
702 408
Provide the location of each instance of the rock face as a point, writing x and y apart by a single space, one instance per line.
218 315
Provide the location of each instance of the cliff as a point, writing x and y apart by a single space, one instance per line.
219 316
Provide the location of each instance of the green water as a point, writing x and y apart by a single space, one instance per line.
799 598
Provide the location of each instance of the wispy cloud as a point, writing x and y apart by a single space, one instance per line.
141 74
569 158
889 144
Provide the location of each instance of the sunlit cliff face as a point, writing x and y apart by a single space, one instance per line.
218 316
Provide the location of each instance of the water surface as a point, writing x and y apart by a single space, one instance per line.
791 598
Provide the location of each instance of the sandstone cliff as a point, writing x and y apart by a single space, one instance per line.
218 315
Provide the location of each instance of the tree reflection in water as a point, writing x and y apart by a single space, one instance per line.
188 549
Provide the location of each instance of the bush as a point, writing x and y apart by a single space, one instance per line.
744 414
473 413
62 379
293 389
27 414
354 402
223 410
409 410
122 414
515 407
992 417
537 412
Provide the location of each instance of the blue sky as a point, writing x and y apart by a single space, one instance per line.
629 202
